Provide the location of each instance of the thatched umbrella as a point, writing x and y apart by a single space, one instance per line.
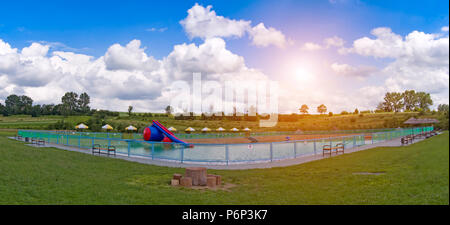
189 130
172 129
128 135
81 126
247 131
234 129
205 129
131 128
107 127
220 129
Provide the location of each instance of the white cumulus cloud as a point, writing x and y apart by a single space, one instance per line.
124 75
130 57
203 22
312 46
334 41
420 60
352 71
262 36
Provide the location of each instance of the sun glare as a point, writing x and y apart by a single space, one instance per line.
302 74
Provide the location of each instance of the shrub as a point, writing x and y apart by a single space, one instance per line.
61 125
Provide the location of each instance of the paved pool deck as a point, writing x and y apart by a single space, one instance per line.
249 165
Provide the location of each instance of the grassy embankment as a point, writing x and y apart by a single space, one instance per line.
307 122
415 174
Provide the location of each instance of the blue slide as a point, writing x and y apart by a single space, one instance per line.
157 132
168 133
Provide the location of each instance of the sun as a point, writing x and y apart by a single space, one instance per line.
302 74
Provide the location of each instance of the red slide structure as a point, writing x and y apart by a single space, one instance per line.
157 132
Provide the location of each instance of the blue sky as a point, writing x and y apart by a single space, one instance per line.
92 27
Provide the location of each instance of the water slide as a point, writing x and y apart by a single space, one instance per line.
157 132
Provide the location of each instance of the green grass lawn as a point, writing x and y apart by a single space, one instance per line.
416 174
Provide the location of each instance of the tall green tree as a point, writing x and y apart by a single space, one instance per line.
304 109
393 101
58 109
18 104
169 110
83 102
69 103
12 104
443 108
26 104
3 110
321 109
410 100
130 110
36 111
48 109
424 100
381 107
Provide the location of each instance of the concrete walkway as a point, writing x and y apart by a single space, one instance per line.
248 165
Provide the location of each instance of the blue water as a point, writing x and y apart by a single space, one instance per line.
215 152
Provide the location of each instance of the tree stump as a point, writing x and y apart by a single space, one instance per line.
211 181
175 182
198 175
186 181
177 176
218 178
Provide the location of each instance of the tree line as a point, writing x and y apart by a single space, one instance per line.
71 104
320 109
408 101
74 104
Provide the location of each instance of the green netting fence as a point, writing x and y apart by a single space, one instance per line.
214 153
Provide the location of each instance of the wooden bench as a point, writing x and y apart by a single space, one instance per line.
96 148
404 140
408 139
328 149
41 141
418 136
339 148
430 134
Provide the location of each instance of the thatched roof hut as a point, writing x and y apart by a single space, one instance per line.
414 121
